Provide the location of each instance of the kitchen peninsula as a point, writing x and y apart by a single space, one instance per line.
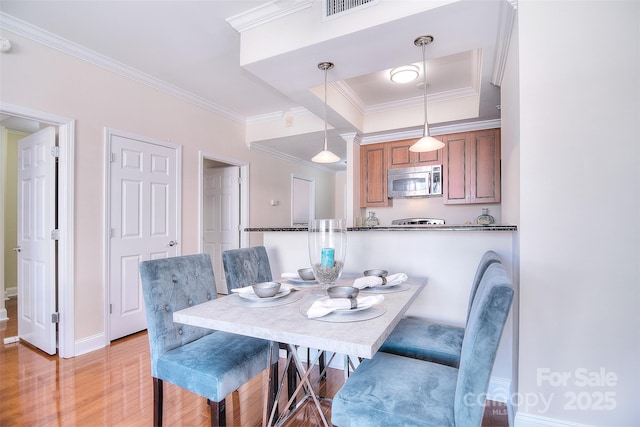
446 254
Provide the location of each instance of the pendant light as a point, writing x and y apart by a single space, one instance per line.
325 156
427 142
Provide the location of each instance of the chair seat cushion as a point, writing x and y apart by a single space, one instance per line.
214 365
391 390
421 339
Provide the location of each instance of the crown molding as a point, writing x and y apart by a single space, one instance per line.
277 115
266 13
289 158
46 38
433 130
346 91
505 29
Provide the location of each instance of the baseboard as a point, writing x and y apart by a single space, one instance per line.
10 292
530 420
87 345
499 389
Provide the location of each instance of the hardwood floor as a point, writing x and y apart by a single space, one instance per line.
112 387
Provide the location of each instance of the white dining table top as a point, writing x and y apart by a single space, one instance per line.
286 323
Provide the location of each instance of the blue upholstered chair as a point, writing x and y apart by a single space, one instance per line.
435 342
206 362
392 390
244 267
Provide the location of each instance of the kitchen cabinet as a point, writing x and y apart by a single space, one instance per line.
471 167
373 176
399 155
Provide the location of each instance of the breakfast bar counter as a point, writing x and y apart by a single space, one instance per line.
447 255
444 227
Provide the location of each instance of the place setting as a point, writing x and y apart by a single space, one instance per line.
303 277
265 294
380 282
343 304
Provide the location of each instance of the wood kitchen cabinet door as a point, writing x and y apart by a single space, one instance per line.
399 155
373 176
471 167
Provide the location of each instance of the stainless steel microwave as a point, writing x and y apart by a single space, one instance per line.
421 181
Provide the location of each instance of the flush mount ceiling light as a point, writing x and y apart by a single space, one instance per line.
427 142
325 156
404 74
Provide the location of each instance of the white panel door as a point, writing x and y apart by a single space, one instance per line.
144 223
221 212
36 249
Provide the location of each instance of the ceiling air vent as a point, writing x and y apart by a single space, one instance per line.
335 8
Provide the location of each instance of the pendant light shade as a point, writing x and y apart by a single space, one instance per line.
325 156
427 142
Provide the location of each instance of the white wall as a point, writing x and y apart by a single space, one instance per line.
579 74
43 79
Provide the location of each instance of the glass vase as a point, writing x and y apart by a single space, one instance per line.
485 218
372 220
327 250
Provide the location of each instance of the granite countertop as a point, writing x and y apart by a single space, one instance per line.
445 227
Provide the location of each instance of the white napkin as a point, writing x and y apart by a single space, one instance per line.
290 276
248 290
367 281
325 306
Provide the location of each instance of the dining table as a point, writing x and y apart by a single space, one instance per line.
355 333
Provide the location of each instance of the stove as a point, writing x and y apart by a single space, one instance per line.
418 221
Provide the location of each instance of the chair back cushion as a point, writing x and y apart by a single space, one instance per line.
246 266
488 315
168 285
487 259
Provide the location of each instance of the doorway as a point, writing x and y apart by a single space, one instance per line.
224 212
66 199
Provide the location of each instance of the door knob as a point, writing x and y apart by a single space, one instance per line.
17 249
173 243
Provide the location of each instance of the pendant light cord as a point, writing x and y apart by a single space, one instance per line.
424 83
325 108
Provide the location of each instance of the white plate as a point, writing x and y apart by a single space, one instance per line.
300 281
351 310
254 297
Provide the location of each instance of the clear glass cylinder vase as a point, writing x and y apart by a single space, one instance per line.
327 249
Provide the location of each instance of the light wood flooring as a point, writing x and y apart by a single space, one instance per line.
112 387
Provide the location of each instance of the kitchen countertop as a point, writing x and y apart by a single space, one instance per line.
444 227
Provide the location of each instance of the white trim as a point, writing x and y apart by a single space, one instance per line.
523 419
278 115
11 292
440 130
108 134
505 30
89 344
3 185
290 158
499 389
53 41
66 193
265 13
66 243
244 194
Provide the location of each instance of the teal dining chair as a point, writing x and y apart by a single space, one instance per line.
432 341
393 390
209 363
245 267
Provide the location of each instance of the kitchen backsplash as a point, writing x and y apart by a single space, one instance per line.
433 208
